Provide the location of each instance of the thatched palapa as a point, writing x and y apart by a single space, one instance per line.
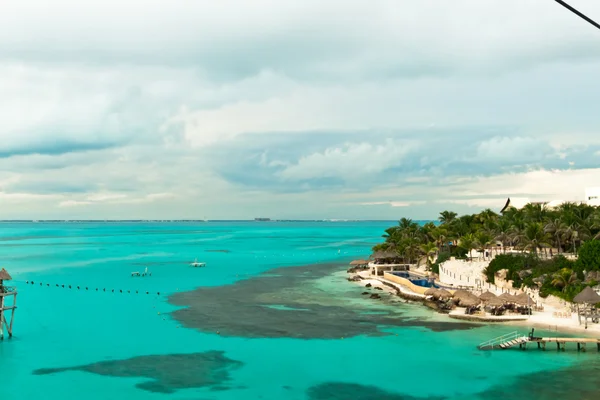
359 263
487 296
466 299
524 300
495 302
507 298
4 275
587 296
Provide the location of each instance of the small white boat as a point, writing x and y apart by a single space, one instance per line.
197 264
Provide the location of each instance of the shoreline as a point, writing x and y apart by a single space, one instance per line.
539 320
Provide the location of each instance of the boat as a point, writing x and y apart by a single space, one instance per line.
137 273
197 264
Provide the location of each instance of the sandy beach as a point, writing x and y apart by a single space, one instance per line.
546 320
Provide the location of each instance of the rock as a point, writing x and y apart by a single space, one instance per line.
375 296
378 288
540 279
365 293
524 273
368 285
592 276
355 278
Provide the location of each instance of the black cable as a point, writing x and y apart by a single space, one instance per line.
578 13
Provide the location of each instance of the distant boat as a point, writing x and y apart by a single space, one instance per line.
197 264
262 219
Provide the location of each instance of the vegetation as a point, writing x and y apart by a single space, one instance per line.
540 233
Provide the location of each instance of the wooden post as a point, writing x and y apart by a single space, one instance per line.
578 346
1 316
12 315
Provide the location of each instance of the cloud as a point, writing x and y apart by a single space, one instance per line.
188 109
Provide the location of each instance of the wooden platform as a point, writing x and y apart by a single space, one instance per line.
513 339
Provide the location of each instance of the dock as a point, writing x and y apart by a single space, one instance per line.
513 339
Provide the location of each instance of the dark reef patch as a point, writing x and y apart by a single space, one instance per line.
166 373
218 251
347 391
290 302
579 382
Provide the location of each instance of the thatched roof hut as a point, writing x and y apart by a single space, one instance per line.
466 299
587 296
4 275
487 296
359 263
507 298
495 302
438 293
524 300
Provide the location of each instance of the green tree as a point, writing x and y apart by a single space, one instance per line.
589 256
564 279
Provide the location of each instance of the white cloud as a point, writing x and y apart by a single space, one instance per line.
352 161
115 109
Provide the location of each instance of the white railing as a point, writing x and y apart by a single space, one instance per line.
499 340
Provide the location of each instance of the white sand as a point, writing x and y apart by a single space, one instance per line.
540 319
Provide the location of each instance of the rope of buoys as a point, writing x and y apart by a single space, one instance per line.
87 288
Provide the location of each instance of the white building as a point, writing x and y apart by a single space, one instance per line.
592 196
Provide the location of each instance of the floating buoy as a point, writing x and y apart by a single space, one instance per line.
47 284
104 289
69 286
120 291
158 293
77 287
113 290
32 282
63 286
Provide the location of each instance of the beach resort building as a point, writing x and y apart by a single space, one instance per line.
592 196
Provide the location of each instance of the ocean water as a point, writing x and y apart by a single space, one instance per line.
271 316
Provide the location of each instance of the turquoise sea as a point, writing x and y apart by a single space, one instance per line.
271 316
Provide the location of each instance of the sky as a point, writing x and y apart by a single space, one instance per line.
378 109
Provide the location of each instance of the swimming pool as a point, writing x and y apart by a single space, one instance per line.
416 279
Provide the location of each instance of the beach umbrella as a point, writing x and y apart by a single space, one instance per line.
487 296
524 300
469 301
4 275
507 297
466 299
495 302
359 262
587 296
444 294
431 292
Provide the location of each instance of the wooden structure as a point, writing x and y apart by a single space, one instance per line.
514 338
589 298
7 307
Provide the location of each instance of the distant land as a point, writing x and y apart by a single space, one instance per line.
184 220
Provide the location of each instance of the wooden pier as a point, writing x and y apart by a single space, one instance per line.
7 307
514 338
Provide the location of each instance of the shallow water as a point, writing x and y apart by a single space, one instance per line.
270 317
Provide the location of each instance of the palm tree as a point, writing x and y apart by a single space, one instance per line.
429 250
468 242
503 230
533 237
447 217
556 228
564 278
